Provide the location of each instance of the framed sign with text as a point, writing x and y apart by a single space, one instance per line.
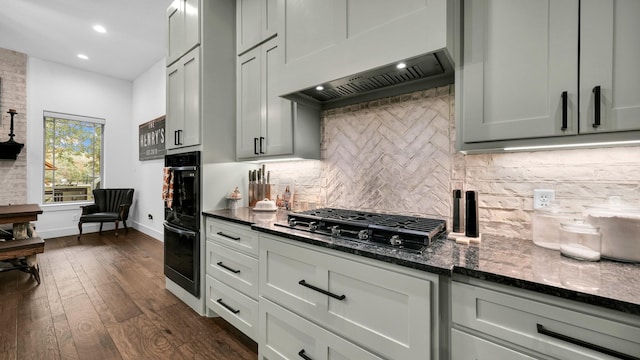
151 140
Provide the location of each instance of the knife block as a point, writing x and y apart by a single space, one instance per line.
258 192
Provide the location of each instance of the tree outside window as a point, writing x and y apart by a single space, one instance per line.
72 157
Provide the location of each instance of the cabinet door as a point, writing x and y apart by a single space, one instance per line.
519 58
175 31
609 58
249 24
468 347
248 100
183 27
278 125
183 101
236 270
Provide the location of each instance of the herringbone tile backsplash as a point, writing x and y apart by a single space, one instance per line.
390 155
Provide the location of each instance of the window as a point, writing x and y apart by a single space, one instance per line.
72 157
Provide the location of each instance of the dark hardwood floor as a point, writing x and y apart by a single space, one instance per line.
103 297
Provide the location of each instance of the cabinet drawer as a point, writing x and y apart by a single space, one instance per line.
467 347
540 325
381 310
235 269
238 237
285 335
239 310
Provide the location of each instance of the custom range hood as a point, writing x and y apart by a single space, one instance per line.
401 77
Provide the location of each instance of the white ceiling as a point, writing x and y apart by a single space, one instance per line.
59 30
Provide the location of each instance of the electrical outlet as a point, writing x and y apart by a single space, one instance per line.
543 197
150 217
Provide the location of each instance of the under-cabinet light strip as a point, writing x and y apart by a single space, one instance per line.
542 147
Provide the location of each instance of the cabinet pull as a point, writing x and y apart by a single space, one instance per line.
226 267
175 138
219 301
553 334
261 142
228 236
304 283
596 106
255 146
564 111
302 355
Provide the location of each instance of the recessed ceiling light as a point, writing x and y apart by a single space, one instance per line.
401 65
319 87
83 56
100 29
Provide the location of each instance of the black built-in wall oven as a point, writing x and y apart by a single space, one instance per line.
182 221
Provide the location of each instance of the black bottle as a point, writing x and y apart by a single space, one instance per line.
471 228
457 216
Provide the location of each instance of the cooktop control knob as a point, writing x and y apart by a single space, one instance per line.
395 240
313 226
335 231
292 222
363 235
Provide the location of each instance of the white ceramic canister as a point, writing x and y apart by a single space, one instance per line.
619 224
545 225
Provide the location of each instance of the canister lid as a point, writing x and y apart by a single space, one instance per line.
579 226
614 206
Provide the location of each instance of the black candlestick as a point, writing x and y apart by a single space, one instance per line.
11 134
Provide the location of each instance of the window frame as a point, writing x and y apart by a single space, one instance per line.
71 117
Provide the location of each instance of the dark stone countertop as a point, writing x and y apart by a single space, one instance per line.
508 261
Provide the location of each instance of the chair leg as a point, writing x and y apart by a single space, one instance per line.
100 232
80 229
126 229
116 227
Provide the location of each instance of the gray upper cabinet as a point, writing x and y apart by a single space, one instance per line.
535 71
183 20
256 22
610 54
265 121
183 101
329 39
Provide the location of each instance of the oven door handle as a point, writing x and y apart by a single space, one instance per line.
183 168
178 230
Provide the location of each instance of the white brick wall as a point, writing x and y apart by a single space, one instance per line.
13 95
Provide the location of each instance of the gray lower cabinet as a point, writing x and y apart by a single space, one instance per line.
383 309
231 281
491 319
541 72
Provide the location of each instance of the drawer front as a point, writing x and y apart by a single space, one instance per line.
384 311
238 237
235 269
468 347
238 309
285 335
540 326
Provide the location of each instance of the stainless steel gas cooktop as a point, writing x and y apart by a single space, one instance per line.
397 231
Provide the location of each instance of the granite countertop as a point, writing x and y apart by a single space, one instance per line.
513 262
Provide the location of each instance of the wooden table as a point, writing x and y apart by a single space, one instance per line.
23 251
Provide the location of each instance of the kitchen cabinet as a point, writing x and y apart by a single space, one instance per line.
268 125
201 81
545 70
293 337
387 311
328 40
232 274
256 22
490 319
183 25
183 101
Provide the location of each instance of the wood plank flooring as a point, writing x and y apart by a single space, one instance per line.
103 297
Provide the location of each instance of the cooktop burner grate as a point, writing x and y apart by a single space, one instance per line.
397 231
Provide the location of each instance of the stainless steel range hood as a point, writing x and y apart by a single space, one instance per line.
419 73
